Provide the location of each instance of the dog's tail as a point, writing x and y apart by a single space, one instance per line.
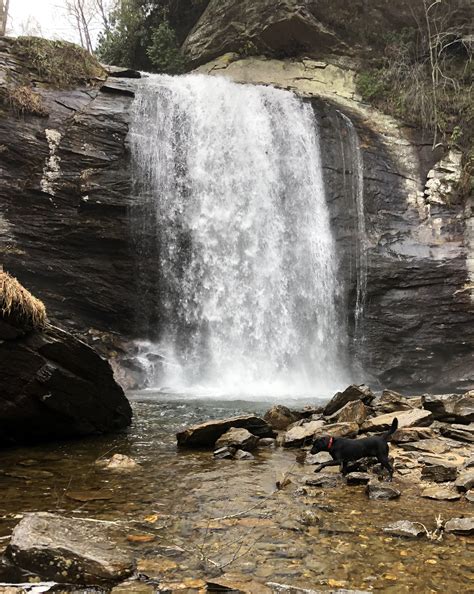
392 429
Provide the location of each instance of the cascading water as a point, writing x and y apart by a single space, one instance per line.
232 204
357 192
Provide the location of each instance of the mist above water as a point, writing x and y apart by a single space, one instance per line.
235 231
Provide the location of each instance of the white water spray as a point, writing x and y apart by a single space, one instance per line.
247 271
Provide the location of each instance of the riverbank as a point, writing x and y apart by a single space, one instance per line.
188 519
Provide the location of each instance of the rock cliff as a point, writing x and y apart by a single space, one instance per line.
66 191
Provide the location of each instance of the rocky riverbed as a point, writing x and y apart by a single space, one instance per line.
167 518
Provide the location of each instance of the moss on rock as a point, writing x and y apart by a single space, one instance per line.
58 63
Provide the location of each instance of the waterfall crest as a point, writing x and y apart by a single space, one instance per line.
232 202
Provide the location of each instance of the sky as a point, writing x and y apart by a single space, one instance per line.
50 15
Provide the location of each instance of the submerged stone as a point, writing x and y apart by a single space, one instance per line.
405 528
378 491
68 550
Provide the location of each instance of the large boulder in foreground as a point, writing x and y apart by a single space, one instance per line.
52 385
206 434
68 550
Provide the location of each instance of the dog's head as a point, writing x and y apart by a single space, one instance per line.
321 444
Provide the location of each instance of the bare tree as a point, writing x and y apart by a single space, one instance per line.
4 4
81 14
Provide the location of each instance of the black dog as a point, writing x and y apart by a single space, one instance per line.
344 450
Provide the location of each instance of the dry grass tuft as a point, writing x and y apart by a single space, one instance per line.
23 100
18 305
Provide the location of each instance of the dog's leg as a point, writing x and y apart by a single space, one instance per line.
386 464
324 464
344 468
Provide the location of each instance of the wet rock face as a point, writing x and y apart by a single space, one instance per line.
417 315
64 192
54 386
67 550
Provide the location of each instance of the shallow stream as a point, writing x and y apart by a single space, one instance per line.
177 498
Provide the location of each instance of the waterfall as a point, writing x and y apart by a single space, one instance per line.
234 228
357 192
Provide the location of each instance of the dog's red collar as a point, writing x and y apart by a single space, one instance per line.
331 439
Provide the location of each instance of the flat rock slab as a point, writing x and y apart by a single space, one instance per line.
441 493
439 472
409 434
407 418
405 528
458 432
465 480
433 446
460 526
378 491
206 434
351 393
68 550
451 407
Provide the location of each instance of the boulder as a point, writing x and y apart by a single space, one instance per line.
301 434
441 493
465 480
206 434
391 401
305 434
53 386
470 496
351 393
352 412
68 550
279 417
237 438
409 418
458 432
464 526
438 471
405 528
451 407
263 27
409 434
375 490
